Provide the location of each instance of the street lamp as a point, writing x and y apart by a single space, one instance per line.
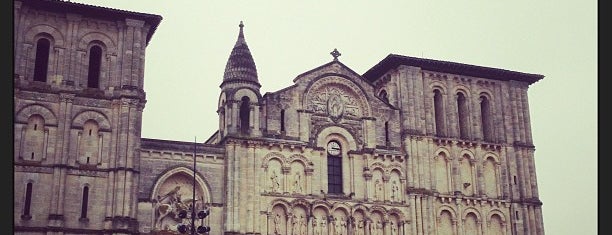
190 214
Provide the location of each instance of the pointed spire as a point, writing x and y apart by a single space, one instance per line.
240 35
240 65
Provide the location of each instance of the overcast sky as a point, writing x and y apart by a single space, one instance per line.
186 58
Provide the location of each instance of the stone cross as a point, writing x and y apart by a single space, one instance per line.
335 54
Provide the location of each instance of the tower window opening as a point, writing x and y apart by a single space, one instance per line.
487 130
439 113
245 115
462 113
84 202
282 120
386 133
28 200
384 96
95 62
41 63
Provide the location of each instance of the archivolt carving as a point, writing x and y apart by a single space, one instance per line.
396 166
322 204
446 208
335 94
473 211
27 111
58 38
496 212
380 166
279 202
271 156
100 118
301 203
253 97
469 153
444 153
360 208
301 158
396 212
342 206
380 210
96 36
492 156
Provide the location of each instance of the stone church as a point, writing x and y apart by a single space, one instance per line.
411 147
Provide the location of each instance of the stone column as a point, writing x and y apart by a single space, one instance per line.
286 172
251 172
352 173
308 181
367 176
386 188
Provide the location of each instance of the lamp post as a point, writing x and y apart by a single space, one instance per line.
190 214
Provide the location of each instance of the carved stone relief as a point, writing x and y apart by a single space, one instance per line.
337 98
174 195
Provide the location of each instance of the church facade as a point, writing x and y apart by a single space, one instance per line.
411 147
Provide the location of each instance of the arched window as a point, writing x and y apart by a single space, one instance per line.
41 63
27 202
84 202
334 167
282 120
462 114
95 62
245 114
384 96
439 113
386 133
485 115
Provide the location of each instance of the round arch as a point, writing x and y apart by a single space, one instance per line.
204 186
100 118
336 133
32 32
24 113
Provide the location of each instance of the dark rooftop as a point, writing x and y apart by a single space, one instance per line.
393 60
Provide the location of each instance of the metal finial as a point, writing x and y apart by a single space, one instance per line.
241 24
335 54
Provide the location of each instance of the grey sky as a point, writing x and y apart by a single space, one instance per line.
186 58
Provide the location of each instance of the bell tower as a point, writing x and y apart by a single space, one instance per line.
240 99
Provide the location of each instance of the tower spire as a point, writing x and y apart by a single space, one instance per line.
240 65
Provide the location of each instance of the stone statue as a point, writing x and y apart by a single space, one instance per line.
379 228
337 228
167 206
324 225
393 228
315 226
395 192
275 184
297 183
302 225
171 195
360 227
378 189
295 229
277 224
335 106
